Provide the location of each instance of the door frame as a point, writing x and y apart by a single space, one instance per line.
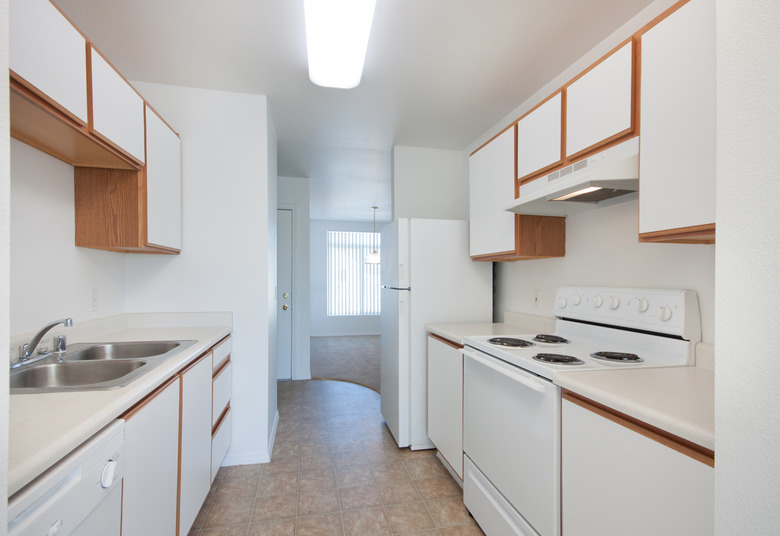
301 344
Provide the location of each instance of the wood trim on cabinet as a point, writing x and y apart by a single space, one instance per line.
679 444
39 124
448 342
220 368
178 470
90 116
614 140
54 106
696 234
138 406
661 17
494 137
219 422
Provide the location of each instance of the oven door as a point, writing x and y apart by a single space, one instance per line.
511 433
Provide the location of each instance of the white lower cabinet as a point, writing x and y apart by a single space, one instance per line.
618 481
445 401
173 449
195 457
152 465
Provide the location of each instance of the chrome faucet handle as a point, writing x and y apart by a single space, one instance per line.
59 344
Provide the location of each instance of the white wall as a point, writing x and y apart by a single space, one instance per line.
267 273
294 195
747 372
225 264
602 249
430 183
323 325
5 249
51 277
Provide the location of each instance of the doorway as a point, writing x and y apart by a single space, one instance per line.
284 290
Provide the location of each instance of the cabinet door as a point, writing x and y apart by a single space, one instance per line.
195 472
151 466
677 145
599 103
539 138
49 53
617 481
491 187
117 110
445 401
163 183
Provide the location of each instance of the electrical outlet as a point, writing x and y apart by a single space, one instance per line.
536 298
93 300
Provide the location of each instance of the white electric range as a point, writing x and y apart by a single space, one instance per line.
512 410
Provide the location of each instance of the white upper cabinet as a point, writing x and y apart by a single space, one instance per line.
117 110
163 183
491 187
49 53
539 138
599 103
677 144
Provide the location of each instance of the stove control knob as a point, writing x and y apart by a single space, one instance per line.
614 302
642 305
562 302
576 299
598 301
666 313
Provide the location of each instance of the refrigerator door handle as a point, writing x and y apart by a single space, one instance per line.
397 288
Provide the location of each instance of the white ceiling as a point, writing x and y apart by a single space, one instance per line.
438 74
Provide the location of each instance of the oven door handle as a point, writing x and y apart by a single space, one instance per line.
507 370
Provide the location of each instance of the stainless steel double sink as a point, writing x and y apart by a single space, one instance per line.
94 366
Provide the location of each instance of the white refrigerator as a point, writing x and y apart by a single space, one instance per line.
427 277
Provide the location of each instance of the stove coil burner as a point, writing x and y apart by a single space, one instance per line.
622 357
510 342
559 359
551 339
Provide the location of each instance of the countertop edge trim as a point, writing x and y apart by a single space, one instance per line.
677 443
446 341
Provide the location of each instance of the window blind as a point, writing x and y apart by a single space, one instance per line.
353 286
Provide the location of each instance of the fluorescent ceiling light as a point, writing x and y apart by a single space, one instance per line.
336 40
577 193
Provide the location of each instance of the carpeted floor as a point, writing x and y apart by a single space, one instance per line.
352 359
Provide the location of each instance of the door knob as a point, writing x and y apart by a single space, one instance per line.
285 306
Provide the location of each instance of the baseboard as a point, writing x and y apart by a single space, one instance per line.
247 458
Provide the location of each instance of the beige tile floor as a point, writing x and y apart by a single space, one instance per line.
335 470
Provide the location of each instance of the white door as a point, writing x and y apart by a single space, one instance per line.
284 329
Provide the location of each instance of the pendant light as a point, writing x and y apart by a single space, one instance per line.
373 257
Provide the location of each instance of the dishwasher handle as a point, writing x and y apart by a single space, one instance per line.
505 369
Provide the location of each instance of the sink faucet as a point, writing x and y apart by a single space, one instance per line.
26 351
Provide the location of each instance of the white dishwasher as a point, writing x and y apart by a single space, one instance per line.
81 495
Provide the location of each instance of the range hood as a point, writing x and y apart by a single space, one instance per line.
606 178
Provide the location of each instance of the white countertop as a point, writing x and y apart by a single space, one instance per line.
45 427
679 400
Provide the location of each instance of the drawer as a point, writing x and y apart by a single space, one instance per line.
222 352
220 442
223 386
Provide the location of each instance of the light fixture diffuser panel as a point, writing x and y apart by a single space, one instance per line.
337 33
